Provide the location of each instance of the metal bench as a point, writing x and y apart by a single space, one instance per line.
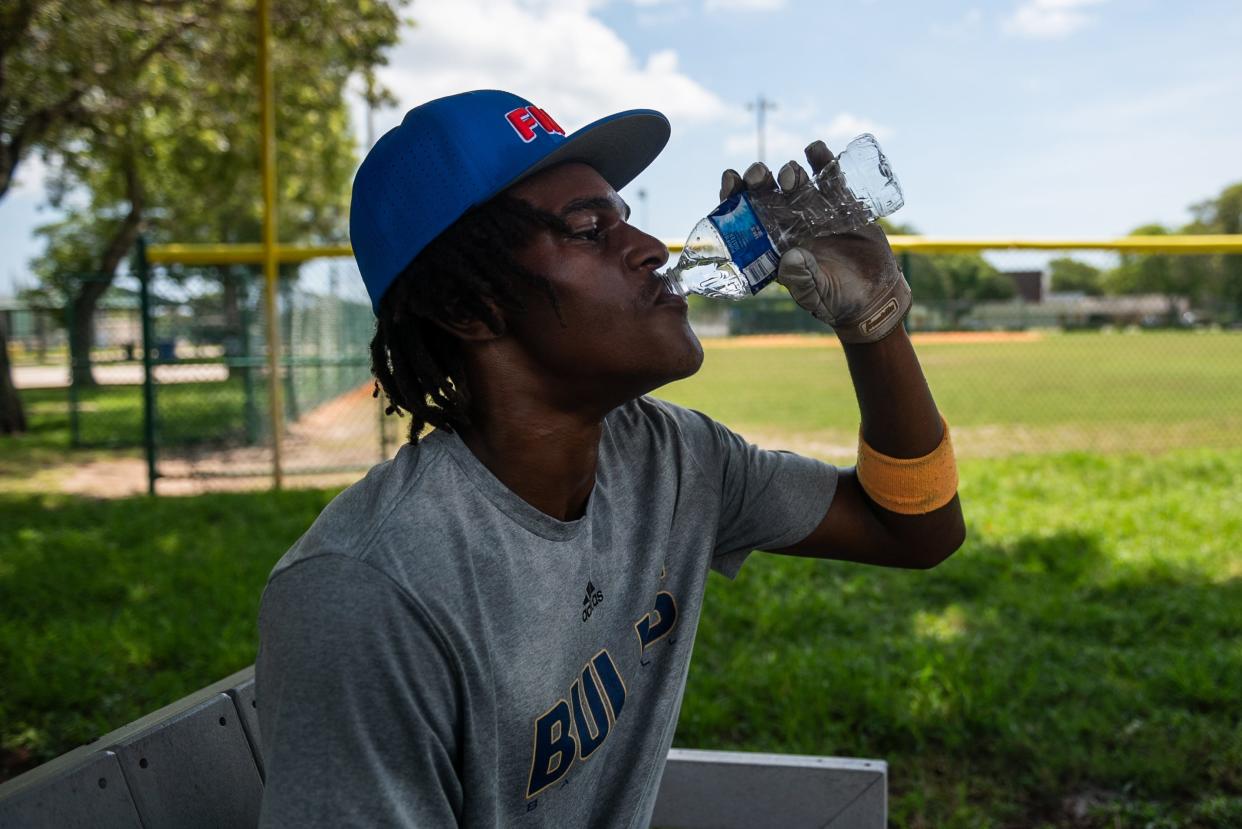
197 763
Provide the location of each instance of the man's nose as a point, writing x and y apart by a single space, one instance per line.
646 251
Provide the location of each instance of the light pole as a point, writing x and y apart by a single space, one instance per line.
760 107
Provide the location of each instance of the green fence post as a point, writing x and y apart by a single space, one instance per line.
148 373
322 392
291 400
252 413
75 428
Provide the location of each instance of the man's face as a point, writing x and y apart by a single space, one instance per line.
623 334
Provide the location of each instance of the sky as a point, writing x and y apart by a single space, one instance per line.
1006 118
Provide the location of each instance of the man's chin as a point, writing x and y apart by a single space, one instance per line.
689 361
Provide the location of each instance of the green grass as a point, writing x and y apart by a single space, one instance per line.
111 416
1085 643
1147 391
195 414
198 415
110 609
1081 654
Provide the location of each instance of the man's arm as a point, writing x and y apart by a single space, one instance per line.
899 419
357 700
851 282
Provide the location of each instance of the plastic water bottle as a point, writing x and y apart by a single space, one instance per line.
734 251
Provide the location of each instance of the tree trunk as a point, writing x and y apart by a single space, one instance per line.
12 415
231 299
82 331
81 335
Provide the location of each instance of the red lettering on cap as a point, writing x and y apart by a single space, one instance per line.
545 121
523 123
524 119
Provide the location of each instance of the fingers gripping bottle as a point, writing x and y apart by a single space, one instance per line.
733 253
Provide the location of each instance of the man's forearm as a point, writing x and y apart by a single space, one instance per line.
899 416
900 420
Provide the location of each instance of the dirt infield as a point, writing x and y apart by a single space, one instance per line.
827 341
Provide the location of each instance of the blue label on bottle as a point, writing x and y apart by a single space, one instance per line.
747 240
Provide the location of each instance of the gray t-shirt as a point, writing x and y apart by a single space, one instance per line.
435 651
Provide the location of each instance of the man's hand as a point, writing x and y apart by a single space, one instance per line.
849 280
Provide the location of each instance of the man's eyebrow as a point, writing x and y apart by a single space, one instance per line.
596 203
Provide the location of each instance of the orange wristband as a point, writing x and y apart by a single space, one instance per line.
911 486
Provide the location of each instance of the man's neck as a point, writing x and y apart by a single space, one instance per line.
548 460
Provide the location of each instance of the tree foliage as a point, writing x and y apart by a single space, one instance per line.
65 66
1214 280
1068 275
957 278
1222 214
181 159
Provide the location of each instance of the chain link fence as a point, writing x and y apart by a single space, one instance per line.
206 373
207 378
1030 305
211 374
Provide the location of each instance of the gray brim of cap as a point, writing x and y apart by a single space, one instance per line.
619 147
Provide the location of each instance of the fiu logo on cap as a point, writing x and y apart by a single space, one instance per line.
525 119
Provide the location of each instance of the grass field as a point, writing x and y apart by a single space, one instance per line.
111 416
1145 391
1077 664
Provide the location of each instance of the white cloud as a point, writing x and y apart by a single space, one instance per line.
846 126
743 5
1049 18
786 137
556 54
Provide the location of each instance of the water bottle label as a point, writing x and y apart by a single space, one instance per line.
744 235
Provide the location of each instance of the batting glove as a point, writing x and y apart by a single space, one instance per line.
849 281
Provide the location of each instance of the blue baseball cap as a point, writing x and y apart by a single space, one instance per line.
453 153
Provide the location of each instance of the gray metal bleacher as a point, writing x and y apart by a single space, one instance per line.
196 763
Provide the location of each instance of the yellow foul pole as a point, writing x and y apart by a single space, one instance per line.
267 109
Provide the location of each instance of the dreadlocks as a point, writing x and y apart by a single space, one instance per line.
419 365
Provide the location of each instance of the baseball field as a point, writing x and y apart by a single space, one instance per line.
1002 393
1078 663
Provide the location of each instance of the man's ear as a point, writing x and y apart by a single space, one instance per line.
471 329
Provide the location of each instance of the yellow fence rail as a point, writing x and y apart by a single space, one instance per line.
252 254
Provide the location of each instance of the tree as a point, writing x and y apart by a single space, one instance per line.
183 159
12 420
62 66
1222 214
1206 280
953 280
1170 276
1070 275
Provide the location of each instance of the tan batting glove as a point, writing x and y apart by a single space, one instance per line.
849 281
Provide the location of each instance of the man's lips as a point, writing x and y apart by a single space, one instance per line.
665 298
659 294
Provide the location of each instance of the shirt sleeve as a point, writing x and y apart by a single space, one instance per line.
357 699
768 499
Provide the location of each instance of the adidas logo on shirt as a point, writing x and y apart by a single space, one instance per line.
591 600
